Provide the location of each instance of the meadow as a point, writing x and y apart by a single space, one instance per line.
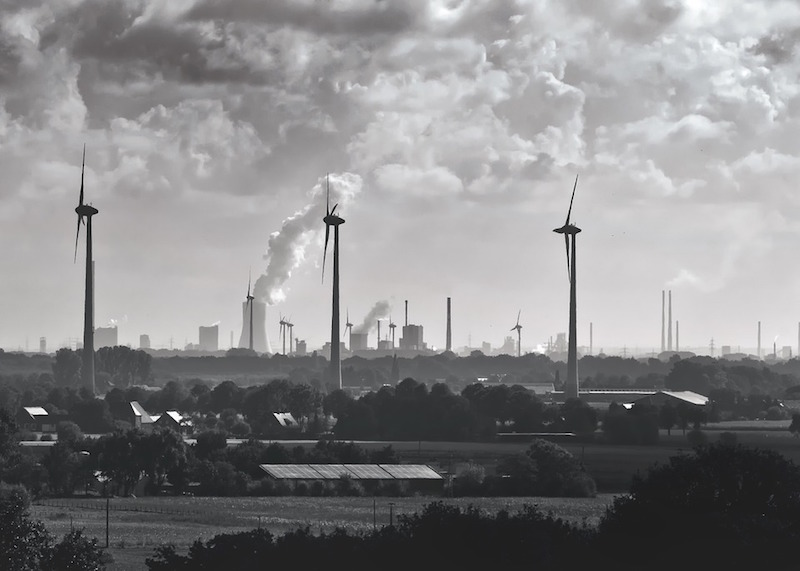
138 525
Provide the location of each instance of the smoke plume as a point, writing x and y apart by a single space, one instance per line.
286 249
379 311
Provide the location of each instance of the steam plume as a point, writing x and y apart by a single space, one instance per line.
379 311
286 249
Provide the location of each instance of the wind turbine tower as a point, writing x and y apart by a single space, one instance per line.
332 220
85 213
518 329
392 327
378 344
283 323
570 231
669 325
290 327
663 344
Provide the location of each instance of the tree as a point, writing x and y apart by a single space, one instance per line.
161 452
730 507
794 427
68 431
667 417
67 367
75 552
23 543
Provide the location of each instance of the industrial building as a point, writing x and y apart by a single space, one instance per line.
209 338
106 337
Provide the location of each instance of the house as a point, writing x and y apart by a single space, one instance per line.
36 419
133 413
675 398
174 420
286 420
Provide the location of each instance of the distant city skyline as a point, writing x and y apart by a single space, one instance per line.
453 133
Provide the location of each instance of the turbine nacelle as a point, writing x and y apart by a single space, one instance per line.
567 229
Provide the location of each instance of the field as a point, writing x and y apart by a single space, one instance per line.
138 525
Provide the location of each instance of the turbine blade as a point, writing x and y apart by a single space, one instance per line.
328 193
77 234
569 212
249 277
83 168
325 250
566 243
334 208
518 314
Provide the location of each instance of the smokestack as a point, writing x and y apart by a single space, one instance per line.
406 312
378 345
449 344
758 349
669 327
663 345
677 336
591 338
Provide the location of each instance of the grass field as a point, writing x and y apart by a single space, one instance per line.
138 525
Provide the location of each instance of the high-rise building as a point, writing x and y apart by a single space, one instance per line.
105 337
260 338
144 341
42 344
209 338
300 348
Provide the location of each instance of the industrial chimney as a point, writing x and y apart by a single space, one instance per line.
406 312
591 338
677 336
449 344
669 327
758 349
663 343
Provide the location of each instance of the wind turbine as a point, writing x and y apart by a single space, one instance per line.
571 389
518 328
283 323
392 327
289 325
348 326
85 213
250 299
331 219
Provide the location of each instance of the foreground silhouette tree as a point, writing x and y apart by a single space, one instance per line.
729 507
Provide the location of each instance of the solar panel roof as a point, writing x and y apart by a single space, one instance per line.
411 471
291 471
330 471
368 472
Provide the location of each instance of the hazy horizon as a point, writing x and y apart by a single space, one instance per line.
452 132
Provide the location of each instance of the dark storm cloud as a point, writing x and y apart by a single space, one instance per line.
366 18
778 47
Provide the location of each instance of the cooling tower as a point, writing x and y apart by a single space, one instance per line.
260 338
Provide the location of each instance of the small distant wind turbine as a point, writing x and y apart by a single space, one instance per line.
348 326
283 323
331 219
250 299
518 329
392 327
85 213
289 326
571 389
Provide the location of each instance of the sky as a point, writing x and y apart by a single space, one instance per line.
452 131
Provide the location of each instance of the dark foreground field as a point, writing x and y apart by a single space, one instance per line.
138 525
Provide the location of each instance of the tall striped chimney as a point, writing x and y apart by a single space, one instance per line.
406 312
758 349
663 339
449 344
669 327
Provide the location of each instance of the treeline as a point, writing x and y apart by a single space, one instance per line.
722 507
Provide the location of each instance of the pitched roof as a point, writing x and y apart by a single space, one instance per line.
688 396
35 410
138 410
285 419
355 471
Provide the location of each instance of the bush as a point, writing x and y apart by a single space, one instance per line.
777 413
347 486
46 438
696 438
728 438
469 480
